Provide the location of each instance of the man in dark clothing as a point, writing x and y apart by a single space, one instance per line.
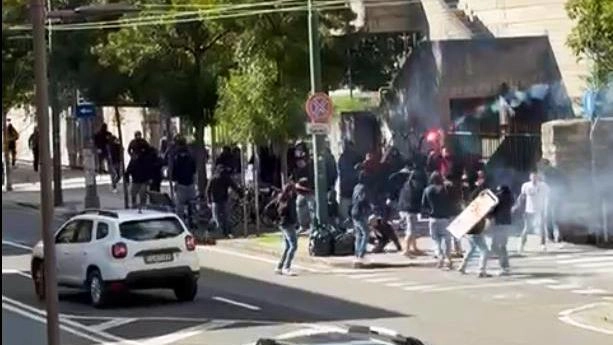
218 196
331 173
11 138
348 178
502 226
557 183
409 206
183 167
102 139
33 144
157 163
384 233
360 211
116 155
139 174
138 144
437 202
225 158
476 240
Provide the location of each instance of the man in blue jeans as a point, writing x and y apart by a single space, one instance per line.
437 202
360 210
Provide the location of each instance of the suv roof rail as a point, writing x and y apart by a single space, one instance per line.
100 212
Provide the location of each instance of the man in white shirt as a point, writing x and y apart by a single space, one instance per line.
534 194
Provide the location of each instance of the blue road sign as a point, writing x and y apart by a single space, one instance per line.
85 110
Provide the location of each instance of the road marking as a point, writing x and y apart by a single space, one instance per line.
585 260
541 281
475 286
112 323
564 286
43 320
364 276
590 291
596 265
382 280
256 257
566 317
68 322
236 303
419 287
400 284
176 336
16 245
17 272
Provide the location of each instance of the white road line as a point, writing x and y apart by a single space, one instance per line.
112 323
476 286
546 257
400 284
596 265
541 281
43 320
257 258
566 317
16 245
383 280
365 276
173 338
589 259
236 303
419 287
17 272
68 322
590 291
563 286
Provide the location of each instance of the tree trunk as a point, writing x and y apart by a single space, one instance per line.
8 183
283 155
200 153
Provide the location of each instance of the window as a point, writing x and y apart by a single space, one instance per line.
102 230
66 235
84 233
151 229
77 231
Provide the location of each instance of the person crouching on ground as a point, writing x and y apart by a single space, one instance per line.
286 209
384 233
436 201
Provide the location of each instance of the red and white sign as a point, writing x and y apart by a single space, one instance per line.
319 108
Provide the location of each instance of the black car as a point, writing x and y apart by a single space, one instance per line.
353 335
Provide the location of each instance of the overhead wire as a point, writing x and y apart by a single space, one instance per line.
175 16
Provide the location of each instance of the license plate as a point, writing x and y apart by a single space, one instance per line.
155 258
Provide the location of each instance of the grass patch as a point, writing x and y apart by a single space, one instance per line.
269 239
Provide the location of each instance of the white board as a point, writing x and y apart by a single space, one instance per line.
473 213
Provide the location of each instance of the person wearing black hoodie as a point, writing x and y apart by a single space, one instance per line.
183 170
437 203
502 226
139 174
409 205
217 193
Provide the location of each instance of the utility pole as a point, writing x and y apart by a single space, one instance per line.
58 199
321 205
86 113
37 8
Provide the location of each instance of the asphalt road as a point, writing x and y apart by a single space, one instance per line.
241 299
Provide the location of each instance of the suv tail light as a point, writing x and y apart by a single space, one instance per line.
190 242
119 250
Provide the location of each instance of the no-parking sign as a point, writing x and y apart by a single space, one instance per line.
319 107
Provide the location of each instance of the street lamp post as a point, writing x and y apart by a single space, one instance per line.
46 194
319 165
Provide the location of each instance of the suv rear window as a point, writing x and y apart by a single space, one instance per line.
150 229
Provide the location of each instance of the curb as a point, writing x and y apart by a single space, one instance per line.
262 250
60 212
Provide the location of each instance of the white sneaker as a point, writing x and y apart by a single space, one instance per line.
289 272
278 271
543 248
504 272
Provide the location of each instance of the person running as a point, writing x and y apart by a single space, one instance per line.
115 152
11 138
218 196
476 241
409 205
360 210
183 171
33 143
286 209
437 203
534 195
102 140
502 226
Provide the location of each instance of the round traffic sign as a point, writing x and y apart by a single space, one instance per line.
319 107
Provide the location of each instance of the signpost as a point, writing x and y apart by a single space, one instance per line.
319 109
86 112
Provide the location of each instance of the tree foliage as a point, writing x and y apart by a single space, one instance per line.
592 37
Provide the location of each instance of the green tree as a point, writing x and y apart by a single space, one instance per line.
180 62
592 37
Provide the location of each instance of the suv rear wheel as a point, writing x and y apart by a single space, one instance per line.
96 288
186 290
38 277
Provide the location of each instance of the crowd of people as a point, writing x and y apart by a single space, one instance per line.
380 192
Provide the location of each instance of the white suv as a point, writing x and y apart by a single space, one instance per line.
112 251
